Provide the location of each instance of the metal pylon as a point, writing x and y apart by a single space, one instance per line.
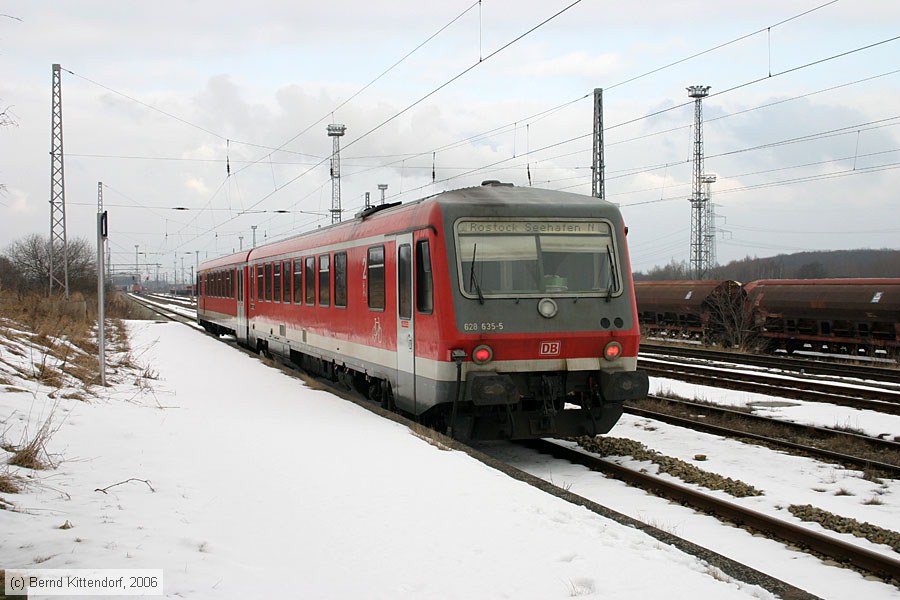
699 249
59 251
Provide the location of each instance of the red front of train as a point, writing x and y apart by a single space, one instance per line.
492 312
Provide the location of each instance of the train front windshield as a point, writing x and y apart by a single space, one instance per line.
513 258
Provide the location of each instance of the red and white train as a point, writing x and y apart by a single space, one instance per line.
493 312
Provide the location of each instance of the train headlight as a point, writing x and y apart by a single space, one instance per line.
482 354
548 308
612 351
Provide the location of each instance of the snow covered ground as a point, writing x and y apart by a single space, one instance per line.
258 486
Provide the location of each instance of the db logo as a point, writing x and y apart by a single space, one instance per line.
550 348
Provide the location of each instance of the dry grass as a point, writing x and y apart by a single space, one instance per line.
9 483
32 454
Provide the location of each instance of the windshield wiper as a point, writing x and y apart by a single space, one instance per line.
473 280
613 273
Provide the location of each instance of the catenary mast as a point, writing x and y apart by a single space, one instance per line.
59 250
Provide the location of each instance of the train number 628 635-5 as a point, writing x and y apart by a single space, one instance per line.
493 326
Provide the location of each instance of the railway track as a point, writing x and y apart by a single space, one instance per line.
872 562
868 561
779 363
855 395
155 307
872 453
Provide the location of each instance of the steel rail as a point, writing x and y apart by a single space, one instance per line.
890 469
781 363
751 382
873 562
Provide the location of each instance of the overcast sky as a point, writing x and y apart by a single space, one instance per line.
160 98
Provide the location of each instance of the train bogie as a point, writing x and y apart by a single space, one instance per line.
492 312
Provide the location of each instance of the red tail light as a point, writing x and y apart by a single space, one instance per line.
612 351
482 354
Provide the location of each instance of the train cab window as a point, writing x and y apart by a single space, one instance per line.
286 281
267 282
276 282
340 279
533 257
375 277
298 281
325 280
404 281
424 279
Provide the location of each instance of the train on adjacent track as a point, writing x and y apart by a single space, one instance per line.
845 316
491 312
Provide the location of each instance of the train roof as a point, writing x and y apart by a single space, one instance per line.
848 298
224 261
492 198
862 281
683 293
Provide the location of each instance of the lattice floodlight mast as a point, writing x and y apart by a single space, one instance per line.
383 187
598 189
335 131
59 251
699 255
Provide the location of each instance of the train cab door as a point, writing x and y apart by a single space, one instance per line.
405 394
241 307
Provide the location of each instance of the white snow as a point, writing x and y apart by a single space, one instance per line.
263 487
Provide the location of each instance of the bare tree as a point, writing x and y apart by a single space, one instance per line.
731 318
30 260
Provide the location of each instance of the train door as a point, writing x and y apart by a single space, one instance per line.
241 307
406 355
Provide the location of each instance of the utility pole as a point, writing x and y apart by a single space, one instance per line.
383 187
137 266
59 265
335 131
194 290
598 189
253 227
101 284
699 253
709 218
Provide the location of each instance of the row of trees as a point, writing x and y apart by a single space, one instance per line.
25 265
802 265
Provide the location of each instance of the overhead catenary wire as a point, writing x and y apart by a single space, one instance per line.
408 190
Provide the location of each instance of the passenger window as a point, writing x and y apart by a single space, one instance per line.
286 281
424 279
260 286
267 284
404 281
276 281
298 281
375 277
325 280
340 279
310 275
